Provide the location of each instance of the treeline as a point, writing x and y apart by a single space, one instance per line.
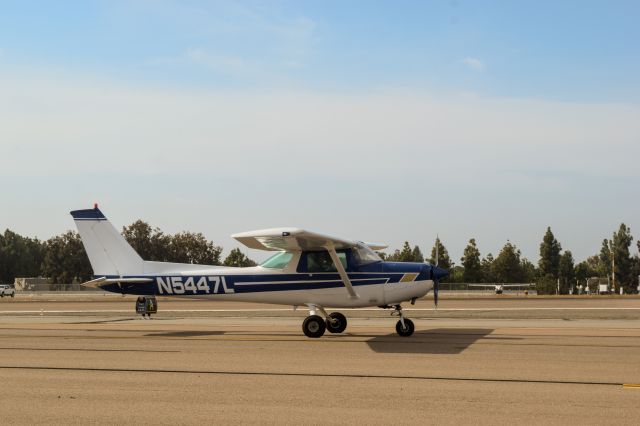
62 258
508 267
556 269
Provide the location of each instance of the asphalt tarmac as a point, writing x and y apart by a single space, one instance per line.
200 364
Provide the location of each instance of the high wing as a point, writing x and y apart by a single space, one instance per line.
294 239
482 285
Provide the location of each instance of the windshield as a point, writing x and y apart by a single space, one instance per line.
278 261
364 255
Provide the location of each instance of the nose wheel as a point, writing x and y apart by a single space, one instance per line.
406 329
404 326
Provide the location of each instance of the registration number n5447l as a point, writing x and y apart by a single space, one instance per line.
193 285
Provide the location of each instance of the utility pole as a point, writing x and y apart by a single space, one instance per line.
613 266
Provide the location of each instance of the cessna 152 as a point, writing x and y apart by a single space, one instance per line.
308 269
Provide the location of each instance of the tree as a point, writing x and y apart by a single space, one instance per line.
417 255
566 272
584 271
443 260
184 247
471 263
149 243
456 275
188 247
529 272
65 260
19 256
546 284
407 254
635 273
549 255
622 259
507 266
592 263
487 269
238 259
604 264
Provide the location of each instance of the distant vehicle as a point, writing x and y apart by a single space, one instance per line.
499 288
7 290
308 269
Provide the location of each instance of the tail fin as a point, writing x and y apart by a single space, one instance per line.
108 251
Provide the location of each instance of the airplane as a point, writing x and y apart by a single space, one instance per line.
499 288
307 269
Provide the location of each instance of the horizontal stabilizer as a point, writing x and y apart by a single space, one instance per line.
99 282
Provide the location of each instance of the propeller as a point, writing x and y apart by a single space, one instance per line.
436 282
436 274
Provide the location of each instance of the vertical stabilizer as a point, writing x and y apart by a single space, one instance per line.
109 253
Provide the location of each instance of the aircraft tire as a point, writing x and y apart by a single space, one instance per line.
407 330
313 326
339 325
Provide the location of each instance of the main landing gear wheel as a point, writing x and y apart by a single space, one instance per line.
336 323
407 329
313 326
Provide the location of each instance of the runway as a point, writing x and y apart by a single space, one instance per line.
251 367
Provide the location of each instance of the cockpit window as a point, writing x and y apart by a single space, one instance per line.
278 261
364 255
320 261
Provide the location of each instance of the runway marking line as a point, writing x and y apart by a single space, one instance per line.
291 374
631 385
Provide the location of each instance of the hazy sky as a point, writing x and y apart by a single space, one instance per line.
379 121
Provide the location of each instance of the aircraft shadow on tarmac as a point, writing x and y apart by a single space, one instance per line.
434 341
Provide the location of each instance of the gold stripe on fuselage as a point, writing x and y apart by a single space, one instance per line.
406 278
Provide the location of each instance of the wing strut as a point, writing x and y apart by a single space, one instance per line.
343 274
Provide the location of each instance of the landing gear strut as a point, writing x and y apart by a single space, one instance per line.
404 326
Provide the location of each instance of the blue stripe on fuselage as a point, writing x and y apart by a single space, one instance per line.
240 284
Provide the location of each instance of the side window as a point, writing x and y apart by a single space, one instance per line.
320 261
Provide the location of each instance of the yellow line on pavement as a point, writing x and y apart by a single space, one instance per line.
631 385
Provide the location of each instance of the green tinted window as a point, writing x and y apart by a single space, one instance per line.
278 260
